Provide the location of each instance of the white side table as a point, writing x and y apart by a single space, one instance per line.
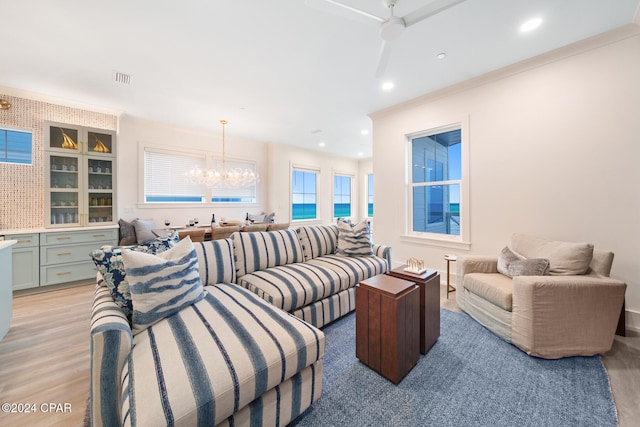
450 287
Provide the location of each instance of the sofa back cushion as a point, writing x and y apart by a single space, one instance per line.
318 240
216 261
565 258
261 250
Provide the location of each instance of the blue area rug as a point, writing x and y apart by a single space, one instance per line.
470 377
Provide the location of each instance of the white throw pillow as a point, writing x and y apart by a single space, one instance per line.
162 284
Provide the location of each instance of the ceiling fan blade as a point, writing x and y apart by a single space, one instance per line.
431 9
383 58
345 11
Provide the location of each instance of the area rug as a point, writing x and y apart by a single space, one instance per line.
470 377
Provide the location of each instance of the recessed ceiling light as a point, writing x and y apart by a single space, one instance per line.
441 55
387 85
360 153
321 144
531 24
364 132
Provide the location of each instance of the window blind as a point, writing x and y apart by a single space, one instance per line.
165 180
15 146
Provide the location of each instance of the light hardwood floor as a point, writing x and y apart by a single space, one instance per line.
45 359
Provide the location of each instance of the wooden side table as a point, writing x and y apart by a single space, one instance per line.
429 283
450 287
387 326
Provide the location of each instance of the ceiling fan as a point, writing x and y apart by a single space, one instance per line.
390 28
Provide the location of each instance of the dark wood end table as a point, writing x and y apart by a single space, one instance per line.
387 325
429 283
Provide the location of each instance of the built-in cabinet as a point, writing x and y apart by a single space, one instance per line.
80 175
52 258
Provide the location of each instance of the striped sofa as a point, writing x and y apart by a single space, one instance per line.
229 359
299 271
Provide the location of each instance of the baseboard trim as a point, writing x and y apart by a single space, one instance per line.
633 321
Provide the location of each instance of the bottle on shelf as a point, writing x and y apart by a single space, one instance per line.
213 220
246 220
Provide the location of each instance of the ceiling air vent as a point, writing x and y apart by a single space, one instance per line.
122 78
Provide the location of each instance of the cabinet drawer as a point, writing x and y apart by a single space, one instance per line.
65 238
51 275
24 240
52 255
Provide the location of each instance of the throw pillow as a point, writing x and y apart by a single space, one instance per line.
506 257
108 261
354 240
264 249
162 284
512 264
318 240
144 230
127 233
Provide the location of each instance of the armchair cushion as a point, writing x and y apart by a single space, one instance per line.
565 258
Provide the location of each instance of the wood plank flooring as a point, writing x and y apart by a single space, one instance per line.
45 359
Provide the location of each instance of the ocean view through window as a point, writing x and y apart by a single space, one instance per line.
341 196
370 195
303 195
436 173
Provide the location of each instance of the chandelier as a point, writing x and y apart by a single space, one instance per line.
223 177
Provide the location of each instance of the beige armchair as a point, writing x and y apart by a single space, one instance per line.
574 311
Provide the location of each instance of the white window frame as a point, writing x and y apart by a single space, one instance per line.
210 159
461 241
305 168
351 177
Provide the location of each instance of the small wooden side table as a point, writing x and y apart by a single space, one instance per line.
450 287
387 326
429 283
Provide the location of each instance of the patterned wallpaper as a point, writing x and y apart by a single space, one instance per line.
22 186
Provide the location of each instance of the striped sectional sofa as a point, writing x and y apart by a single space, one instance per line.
229 359
299 271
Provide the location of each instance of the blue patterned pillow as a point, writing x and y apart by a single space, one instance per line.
163 284
108 261
354 240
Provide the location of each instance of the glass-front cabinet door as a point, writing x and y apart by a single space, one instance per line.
80 171
100 190
64 181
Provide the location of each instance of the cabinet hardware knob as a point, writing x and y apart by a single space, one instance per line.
24 241
63 238
64 253
62 273
98 235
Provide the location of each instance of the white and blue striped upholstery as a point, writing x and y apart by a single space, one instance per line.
327 310
215 357
216 261
293 286
162 284
259 250
111 343
318 240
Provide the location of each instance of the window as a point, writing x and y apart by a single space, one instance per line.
15 146
341 196
234 195
370 195
304 194
436 178
164 180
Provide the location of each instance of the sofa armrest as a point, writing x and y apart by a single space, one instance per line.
111 343
383 251
557 316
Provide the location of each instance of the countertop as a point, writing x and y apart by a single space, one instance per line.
55 230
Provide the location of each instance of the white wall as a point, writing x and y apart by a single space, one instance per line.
554 151
133 131
282 157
